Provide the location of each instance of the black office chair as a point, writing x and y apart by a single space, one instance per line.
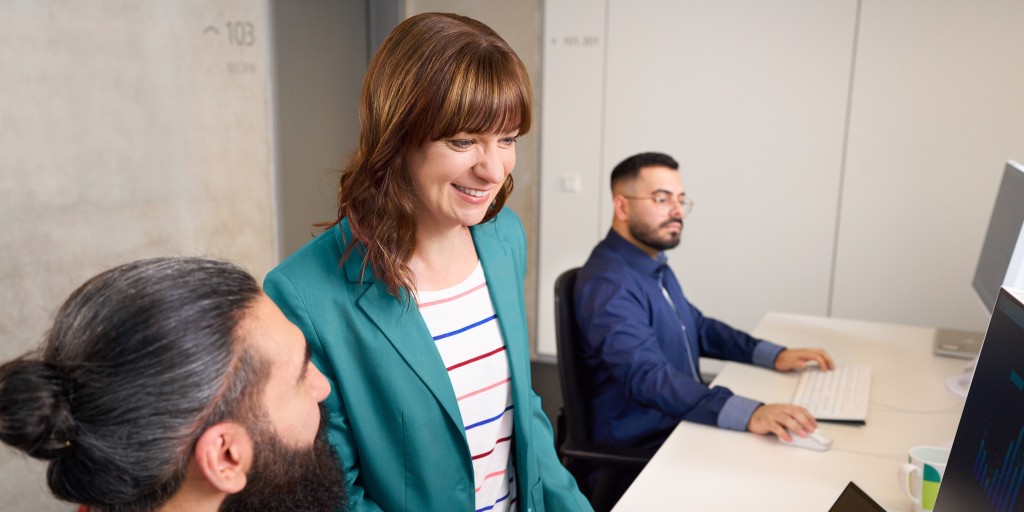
578 452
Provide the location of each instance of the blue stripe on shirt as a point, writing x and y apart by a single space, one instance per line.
488 420
499 500
464 329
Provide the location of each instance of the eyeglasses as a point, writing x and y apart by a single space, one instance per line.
665 201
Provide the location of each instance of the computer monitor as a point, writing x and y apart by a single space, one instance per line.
1001 263
1002 254
986 465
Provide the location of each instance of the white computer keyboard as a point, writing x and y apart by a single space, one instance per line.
838 395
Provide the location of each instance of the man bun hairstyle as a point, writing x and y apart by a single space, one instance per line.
45 427
140 360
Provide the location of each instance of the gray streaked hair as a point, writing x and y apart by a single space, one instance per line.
140 360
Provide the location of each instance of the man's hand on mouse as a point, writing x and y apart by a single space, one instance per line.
800 358
781 419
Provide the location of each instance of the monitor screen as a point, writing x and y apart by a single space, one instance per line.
1002 253
986 464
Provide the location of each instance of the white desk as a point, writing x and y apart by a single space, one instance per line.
703 468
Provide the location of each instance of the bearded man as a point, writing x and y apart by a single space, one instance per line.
643 338
174 384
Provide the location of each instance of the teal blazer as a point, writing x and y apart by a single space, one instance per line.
393 417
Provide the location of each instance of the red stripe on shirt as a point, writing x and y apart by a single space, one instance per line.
481 390
477 358
496 443
492 475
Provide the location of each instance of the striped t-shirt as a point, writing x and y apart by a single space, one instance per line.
465 329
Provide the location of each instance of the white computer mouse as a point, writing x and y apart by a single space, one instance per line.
816 440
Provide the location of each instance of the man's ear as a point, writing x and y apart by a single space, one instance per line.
621 208
224 455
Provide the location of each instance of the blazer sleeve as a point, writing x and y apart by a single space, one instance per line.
561 491
281 290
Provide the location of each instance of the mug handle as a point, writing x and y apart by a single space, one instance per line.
904 475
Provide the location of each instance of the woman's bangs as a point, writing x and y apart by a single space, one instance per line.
495 100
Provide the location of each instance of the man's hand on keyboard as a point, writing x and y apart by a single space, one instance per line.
779 418
799 358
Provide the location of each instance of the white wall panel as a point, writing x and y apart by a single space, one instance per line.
571 168
843 156
937 110
751 99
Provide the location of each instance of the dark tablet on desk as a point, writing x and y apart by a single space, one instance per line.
854 499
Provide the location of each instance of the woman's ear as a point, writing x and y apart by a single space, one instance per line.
224 456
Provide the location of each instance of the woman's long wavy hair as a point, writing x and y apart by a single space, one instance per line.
434 76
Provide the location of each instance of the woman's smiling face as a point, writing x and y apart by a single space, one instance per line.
457 178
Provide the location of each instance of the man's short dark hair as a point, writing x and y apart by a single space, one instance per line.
629 168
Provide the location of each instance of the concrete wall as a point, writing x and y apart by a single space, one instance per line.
320 57
127 130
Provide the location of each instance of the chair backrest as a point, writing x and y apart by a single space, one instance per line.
572 369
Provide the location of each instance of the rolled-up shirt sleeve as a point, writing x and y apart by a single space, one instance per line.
765 354
736 413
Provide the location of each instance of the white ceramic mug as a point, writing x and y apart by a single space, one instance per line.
921 476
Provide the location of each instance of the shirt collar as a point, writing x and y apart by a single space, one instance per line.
635 257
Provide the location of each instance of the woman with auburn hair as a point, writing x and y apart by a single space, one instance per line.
412 301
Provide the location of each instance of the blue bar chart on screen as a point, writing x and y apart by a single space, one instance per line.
985 471
1000 477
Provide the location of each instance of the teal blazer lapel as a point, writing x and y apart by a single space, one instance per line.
404 329
502 283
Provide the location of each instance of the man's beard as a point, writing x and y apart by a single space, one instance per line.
649 236
291 479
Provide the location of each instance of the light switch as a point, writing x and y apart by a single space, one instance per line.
571 183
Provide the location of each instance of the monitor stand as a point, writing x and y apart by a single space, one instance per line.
962 345
959 385
959 344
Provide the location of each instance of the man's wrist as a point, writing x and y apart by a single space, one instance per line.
736 413
766 354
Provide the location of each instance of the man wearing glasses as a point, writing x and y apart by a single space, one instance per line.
643 338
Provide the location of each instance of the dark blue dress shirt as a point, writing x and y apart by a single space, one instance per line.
642 349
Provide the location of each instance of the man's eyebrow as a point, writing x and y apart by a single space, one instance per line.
305 362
